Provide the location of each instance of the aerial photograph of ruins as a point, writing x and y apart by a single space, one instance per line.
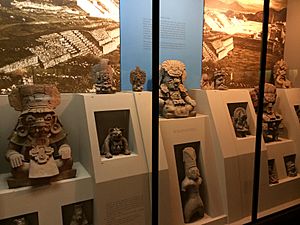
57 41
232 38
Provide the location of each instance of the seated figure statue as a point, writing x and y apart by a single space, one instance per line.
240 123
280 75
174 100
137 79
271 119
38 151
191 184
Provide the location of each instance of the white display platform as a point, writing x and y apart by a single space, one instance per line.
234 156
177 132
121 184
143 101
47 200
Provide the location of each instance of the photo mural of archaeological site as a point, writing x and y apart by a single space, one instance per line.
232 38
57 42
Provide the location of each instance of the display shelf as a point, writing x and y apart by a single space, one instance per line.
234 155
48 199
122 180
191 132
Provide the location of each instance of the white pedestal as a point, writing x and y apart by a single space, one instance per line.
47 200
177 132
122 182
234 156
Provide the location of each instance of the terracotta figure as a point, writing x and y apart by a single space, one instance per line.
103 73
240 123
115 143
273 178
190 185
205 83
79 217
137 79
20 221
174 100
280 75
219 80
38 151
291 169
271 119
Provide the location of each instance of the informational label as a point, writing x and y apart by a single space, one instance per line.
128 211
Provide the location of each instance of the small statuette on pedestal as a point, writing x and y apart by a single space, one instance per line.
137 79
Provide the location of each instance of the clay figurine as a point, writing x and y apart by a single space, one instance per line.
38 151
240 123
280 75
137 79
174 100
273 178
103 73
205 83
254 94
190 185
219 80
115 143
271 119
19 221
79 217
291 169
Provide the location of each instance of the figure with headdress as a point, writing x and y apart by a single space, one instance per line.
104 73
280 75
205 83
219 80
190 184
79 217
38 151
240 123
174 100
137 79
271 118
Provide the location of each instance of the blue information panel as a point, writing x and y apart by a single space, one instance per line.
181 26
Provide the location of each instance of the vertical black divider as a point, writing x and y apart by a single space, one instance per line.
155 107
257 156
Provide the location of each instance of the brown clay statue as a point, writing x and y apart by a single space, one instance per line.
103 73
38 151
115 143
291 169
280 75
240 123
174 100
137 79
190 184
79 217
19 221
205 83
271 119
219 80
273 178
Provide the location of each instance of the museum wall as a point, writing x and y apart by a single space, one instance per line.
292 45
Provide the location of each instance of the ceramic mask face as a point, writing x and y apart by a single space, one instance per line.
39 124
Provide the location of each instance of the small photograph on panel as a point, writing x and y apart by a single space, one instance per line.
238 114
290 165
27 219
189 178
113 132
80 213
273 177
297 109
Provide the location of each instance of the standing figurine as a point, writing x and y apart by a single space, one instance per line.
219 80
273 178
205 83
79 217
254 94
280 75
291 169
137 79
271 119
190 185
174 100
115 143
240 123
104 77
38 151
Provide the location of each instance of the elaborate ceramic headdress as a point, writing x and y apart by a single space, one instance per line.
36 98
174 68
